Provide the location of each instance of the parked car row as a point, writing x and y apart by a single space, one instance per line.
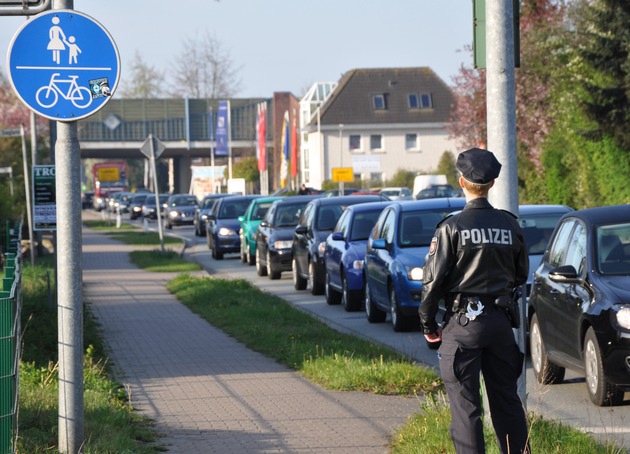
367 253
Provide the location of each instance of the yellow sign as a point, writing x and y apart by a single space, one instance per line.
342 174
108 174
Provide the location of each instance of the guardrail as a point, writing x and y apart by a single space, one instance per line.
10 308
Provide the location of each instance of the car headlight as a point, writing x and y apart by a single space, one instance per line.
322 248
204 217
224 231
173 214
357 264
286 244
415 273
621 312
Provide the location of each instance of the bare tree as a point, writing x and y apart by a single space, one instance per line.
144 82
205 69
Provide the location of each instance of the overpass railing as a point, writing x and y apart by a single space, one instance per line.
10 308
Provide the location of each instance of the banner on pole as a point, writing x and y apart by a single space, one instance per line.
44 198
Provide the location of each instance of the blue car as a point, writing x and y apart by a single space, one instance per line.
344 253
395 255
222 225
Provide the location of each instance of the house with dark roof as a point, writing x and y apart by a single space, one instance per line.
377 121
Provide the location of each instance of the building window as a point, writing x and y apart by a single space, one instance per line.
426 101
411 142
355 142
414 103
422 101
379 102
376 142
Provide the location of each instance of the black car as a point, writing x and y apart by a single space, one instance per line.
222 225
148 208
180 210
275 235
203 210
579 308
135 206
309 238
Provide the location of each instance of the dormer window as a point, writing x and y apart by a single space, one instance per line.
378 101
419 101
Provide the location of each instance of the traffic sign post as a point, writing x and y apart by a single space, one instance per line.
63 65
152 148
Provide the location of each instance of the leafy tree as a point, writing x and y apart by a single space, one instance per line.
13 112
247 168
447 167
145 81
604 49
205 69
403 178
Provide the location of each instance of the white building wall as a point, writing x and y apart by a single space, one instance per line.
433 142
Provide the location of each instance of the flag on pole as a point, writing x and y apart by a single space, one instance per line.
222 134
261 136
284 162
294 150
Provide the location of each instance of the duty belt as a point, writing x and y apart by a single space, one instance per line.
467 308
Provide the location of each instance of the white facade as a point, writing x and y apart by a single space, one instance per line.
397 151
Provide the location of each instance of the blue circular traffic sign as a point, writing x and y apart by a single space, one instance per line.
63 65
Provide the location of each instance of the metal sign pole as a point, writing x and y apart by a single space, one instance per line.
29 216
158 211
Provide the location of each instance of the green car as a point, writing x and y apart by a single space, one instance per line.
249 226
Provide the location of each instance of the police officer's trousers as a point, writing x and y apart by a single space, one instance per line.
484 345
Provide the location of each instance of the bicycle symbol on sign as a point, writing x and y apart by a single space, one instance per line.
48 95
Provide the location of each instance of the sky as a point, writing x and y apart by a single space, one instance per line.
286 45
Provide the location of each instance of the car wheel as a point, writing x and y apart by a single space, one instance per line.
373 313
261 270
351 299
332 296
545 371
399 322
273 273
313 283
251 259
218 255
299 283
601 392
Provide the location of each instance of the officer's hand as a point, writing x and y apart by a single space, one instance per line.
434 337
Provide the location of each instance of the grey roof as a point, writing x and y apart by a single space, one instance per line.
351 102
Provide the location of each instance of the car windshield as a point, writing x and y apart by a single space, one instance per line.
184 201
328 216
362 224
287 215
208 203
232 209
537 230
417 227
613 249
260 210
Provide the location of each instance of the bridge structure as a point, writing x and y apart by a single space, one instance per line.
185 126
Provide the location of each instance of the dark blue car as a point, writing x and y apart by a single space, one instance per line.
222 224
395 255
345 250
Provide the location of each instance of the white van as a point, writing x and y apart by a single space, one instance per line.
424 181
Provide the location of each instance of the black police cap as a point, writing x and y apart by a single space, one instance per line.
478 166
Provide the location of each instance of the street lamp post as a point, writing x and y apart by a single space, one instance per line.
341 188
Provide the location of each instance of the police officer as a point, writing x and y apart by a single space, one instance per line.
477 257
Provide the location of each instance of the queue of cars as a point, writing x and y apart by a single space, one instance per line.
367 254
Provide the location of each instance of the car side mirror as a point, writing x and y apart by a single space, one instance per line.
301 230
379 243
212 217
566 274
337 236
263 224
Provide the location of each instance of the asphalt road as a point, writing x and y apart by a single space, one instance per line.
567 402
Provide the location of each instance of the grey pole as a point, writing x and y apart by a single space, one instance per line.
27 189
501 103
501 107
69 265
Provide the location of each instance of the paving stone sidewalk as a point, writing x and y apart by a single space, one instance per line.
207 392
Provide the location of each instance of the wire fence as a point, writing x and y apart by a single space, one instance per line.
10 308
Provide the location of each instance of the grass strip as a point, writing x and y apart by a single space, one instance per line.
428 433
155 260
269 325
130 234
